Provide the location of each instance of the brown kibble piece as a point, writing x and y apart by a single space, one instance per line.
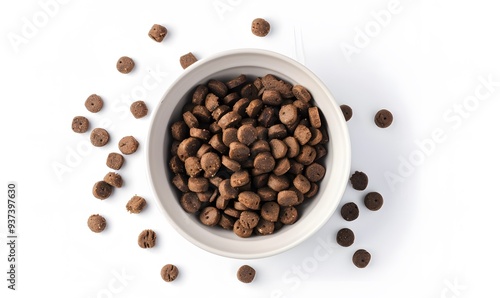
180 181
217 87
383 118
279 148
270 211
102 190
271 97
113 179
99 137
314 117
293 146
199 95
210 163
278 183
288 114
210 216
201 113
288 215
287 198
254 108
136 204
347 111
373 201
190 119
345 237
241 105
176 165
260 27
230 119
316 136
200 133
313 191
241 231
190 202
349 211
240 178
179 130
230 164
264 227
264 162
226 222
226 190
198 184
247 134
157 32
249 219
94 103
250 199
315 172
115 160
80 124
229 135
96 223
125 64
301 183
239 80
277 131
128 145
169 272
187 59
211 102
139 109
359 180
307 155
188 147
361 258
147 239
193 166
302 134
301 93
266 117
282 167
238 151
217 144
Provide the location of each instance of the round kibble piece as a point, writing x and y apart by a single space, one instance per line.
345 237
115 160
249 199
264 162
229 135
293 146
315 172
199 94
80 124
241 231
190 202
240 178
188 147
238 151
239 80
302 134
157 32
301 183
373 201
102 190
226 190
288 215
147 239
249 219
128 145
136 204
282 166
180 181
226 222
217 87
288 198
210 216
139 109
94 103
96 223
99 137
247 134
264 227
279 148
230 164
383 118
179 130
113 179
169 272
301 93
260 27
193 166
270 211
361 258
347 111
198 184
125 64
210 163
349 211
359 180
288 114
229 120
314 117
245 274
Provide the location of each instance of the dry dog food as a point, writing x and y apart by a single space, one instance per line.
80 124
245 274
147 239
187 60
136 204
260 27
115 160
349 211
169 272
96 223
102 190
383 118
345 237
125 64
94 103
128 145
139 109
245 156
113 179
347 111
359 180
99 137
373 201
361 258
157 32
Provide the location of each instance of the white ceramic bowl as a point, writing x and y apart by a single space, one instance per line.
224 66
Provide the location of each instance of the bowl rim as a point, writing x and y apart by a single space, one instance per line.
192 68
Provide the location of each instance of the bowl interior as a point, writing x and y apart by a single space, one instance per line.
225 66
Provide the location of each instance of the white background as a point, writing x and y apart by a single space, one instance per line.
436 235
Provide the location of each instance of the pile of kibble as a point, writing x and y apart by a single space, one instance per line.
103 188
